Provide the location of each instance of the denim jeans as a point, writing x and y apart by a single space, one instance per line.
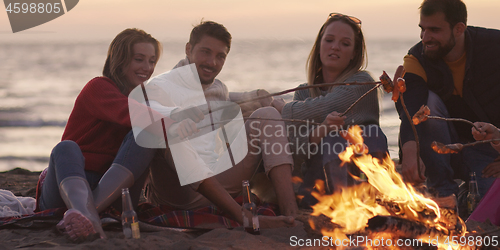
67 160
325 166
442 169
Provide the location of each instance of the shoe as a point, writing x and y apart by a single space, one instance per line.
76 225
81 219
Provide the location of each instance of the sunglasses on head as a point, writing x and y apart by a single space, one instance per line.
351 18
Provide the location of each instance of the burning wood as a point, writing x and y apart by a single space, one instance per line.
400 227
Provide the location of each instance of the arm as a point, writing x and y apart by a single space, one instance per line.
415 96
102 99
107 103
317 109
247 108
487 131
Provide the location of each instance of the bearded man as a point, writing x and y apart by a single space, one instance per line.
454 71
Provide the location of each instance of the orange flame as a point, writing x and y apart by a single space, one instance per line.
296 179
384 194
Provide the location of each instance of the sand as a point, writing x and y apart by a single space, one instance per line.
42 236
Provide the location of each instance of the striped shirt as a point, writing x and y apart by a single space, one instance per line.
304 107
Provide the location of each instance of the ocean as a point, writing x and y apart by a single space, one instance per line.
40 81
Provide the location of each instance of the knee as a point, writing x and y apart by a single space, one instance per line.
65 147
436 105
266 112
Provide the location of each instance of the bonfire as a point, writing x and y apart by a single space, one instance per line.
385 209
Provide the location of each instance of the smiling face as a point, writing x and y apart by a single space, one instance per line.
337 46
209 55
437 36
142 65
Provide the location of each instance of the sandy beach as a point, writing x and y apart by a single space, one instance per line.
23 182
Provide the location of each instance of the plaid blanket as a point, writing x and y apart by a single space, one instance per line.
209 217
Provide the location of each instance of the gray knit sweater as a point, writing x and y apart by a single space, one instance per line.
303 107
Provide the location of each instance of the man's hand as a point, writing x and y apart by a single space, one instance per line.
492 170
409 166
192 112
486 131
278 104
183 129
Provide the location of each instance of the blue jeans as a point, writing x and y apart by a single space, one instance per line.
442 169
325 166
67 160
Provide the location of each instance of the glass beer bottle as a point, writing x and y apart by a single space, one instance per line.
130 221
249 211
473 196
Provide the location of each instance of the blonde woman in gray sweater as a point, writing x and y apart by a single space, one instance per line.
338 55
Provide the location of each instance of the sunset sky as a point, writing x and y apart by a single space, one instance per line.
275 19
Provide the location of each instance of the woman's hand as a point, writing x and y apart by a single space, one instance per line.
333 121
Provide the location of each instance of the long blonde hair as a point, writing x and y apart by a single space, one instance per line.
120 54
314 66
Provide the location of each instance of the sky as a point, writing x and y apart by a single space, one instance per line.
255 19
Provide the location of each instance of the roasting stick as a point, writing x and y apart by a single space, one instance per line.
424 113
268 119
206 111
480 142
397 93
359 99
453 120
415 134
385 81
308 87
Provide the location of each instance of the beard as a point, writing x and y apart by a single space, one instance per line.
442 50
206 81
